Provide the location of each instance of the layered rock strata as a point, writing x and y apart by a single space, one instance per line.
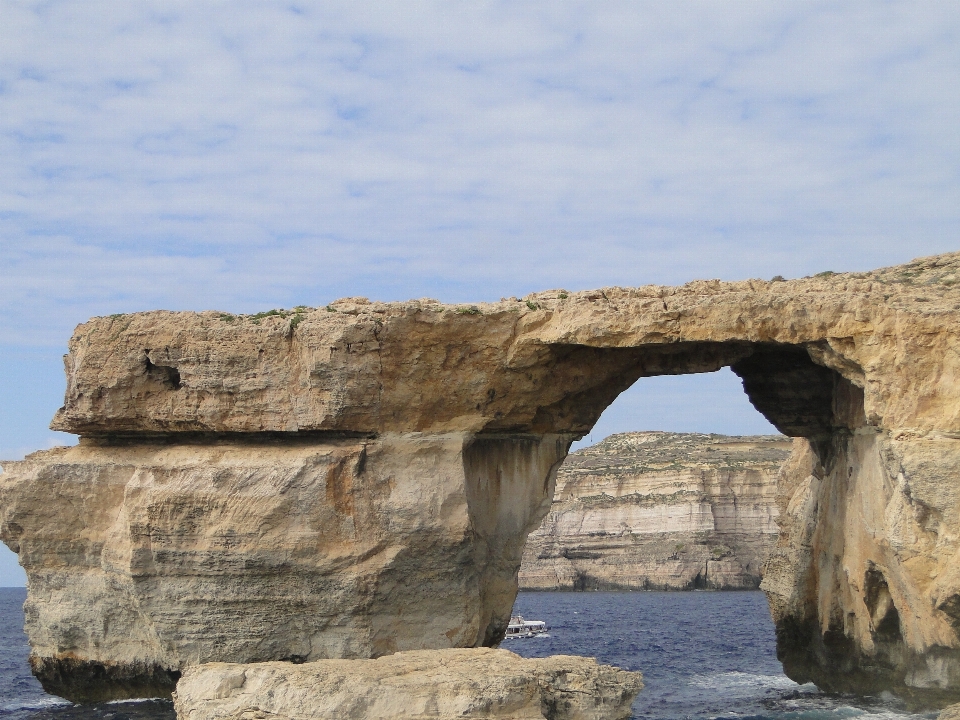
347 455
660 511
424 684
146 557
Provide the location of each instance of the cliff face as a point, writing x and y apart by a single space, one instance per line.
863 584
340 475
660 511
147 558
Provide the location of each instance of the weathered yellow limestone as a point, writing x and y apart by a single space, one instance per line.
359 479
145 558
439 684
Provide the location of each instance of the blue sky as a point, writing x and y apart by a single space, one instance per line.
243 156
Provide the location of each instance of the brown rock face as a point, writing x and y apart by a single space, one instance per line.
660 511
316 483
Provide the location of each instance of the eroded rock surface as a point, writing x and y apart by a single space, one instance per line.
951 712
346 455
436 685
660 511
146 558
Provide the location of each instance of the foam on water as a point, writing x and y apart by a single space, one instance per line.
735 684
33 704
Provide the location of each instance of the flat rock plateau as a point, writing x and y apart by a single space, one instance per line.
359 479
436 684
660 511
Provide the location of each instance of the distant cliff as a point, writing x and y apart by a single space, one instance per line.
660 511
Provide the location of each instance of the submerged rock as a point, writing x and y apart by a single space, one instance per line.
425 684
660 511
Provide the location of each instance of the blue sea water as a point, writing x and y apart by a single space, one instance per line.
704 655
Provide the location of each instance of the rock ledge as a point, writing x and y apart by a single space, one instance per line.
435 684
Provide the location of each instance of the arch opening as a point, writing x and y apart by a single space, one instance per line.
798 396
729 511
691 509
834 459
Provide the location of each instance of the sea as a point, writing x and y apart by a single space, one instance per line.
704 655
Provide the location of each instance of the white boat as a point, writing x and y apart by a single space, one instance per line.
520 628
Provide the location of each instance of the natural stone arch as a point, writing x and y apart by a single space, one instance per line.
358 479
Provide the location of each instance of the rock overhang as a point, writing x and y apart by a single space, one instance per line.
549 363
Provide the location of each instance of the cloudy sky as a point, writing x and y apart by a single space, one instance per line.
249 155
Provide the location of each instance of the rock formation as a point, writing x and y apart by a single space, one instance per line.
951 712
438 684
359 479
660 511
145 557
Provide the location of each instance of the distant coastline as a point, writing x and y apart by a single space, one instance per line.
660 511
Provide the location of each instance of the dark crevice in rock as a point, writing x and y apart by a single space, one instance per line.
883 613
301 437
585 581
166 375
789 389
88 681
950 606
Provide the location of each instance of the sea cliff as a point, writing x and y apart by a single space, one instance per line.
660 511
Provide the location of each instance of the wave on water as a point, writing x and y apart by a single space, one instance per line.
704 656
737 683
40 703
145 709
816 706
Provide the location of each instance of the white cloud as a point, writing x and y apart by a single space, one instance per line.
249 155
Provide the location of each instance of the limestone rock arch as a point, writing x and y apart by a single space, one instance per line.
359 478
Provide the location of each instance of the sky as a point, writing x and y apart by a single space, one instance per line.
252 155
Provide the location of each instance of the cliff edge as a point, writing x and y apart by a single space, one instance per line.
416 685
